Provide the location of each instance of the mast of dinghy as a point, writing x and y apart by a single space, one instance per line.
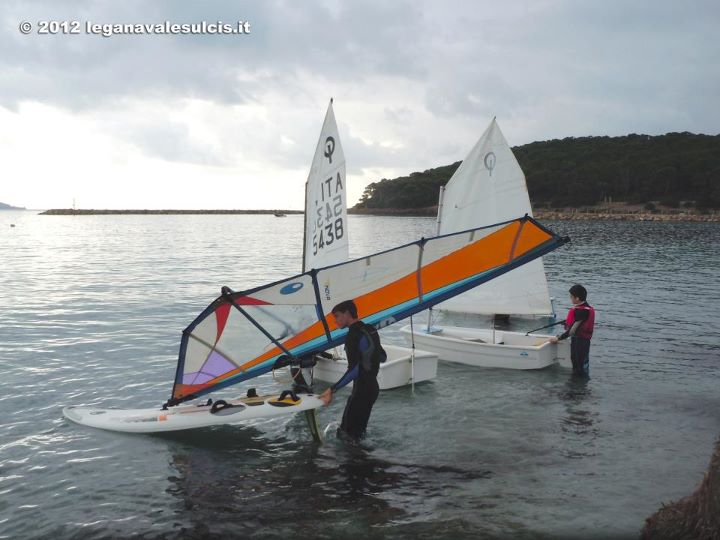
437 233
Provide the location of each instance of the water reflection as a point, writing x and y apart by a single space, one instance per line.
578 422
102 328
240 482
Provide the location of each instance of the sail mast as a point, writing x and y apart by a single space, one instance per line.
441 197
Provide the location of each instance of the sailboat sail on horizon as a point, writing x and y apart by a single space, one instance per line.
242 335
490 187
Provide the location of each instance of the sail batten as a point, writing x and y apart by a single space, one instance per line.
386 288
213 348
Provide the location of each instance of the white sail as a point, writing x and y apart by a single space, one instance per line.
489 187
326 238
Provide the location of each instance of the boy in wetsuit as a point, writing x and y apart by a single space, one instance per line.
579 326
364 354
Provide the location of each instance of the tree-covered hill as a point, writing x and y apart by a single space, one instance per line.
585 171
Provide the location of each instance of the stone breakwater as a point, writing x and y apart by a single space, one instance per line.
93 212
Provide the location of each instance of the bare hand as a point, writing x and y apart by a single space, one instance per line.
326 397
553 340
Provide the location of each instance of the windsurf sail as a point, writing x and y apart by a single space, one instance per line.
245 334
326 239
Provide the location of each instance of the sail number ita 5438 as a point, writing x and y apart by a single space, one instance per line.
329 218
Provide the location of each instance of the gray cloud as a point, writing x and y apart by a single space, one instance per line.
621 57
81 71
547 68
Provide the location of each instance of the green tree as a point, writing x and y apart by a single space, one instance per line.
579 171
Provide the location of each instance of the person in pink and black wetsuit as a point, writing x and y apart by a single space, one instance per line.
579 326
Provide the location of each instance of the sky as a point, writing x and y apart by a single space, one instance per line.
231 121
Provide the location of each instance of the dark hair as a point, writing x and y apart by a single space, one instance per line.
579 291
348 306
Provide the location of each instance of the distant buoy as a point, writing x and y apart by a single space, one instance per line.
12 224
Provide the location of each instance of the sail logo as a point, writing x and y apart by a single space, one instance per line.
291 288
385 322
490 161
329 148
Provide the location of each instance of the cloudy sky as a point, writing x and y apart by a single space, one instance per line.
231 121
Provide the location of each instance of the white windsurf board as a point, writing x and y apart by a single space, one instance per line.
191 416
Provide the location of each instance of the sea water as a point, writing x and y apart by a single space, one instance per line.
91 313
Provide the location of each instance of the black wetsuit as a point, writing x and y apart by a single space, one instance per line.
364 354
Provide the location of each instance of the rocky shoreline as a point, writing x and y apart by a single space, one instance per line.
569 214
550 215
695 516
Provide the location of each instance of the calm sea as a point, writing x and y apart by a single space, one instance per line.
91 312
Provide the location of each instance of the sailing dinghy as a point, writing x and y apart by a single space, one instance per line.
242 335
326 242
489 187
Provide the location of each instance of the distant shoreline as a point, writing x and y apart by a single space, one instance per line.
568 214
600 213
551 215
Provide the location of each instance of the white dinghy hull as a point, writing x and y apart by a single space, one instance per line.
396 371
485 348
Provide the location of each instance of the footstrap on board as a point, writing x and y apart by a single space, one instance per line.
288 398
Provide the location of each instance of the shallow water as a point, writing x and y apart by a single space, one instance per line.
91 311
